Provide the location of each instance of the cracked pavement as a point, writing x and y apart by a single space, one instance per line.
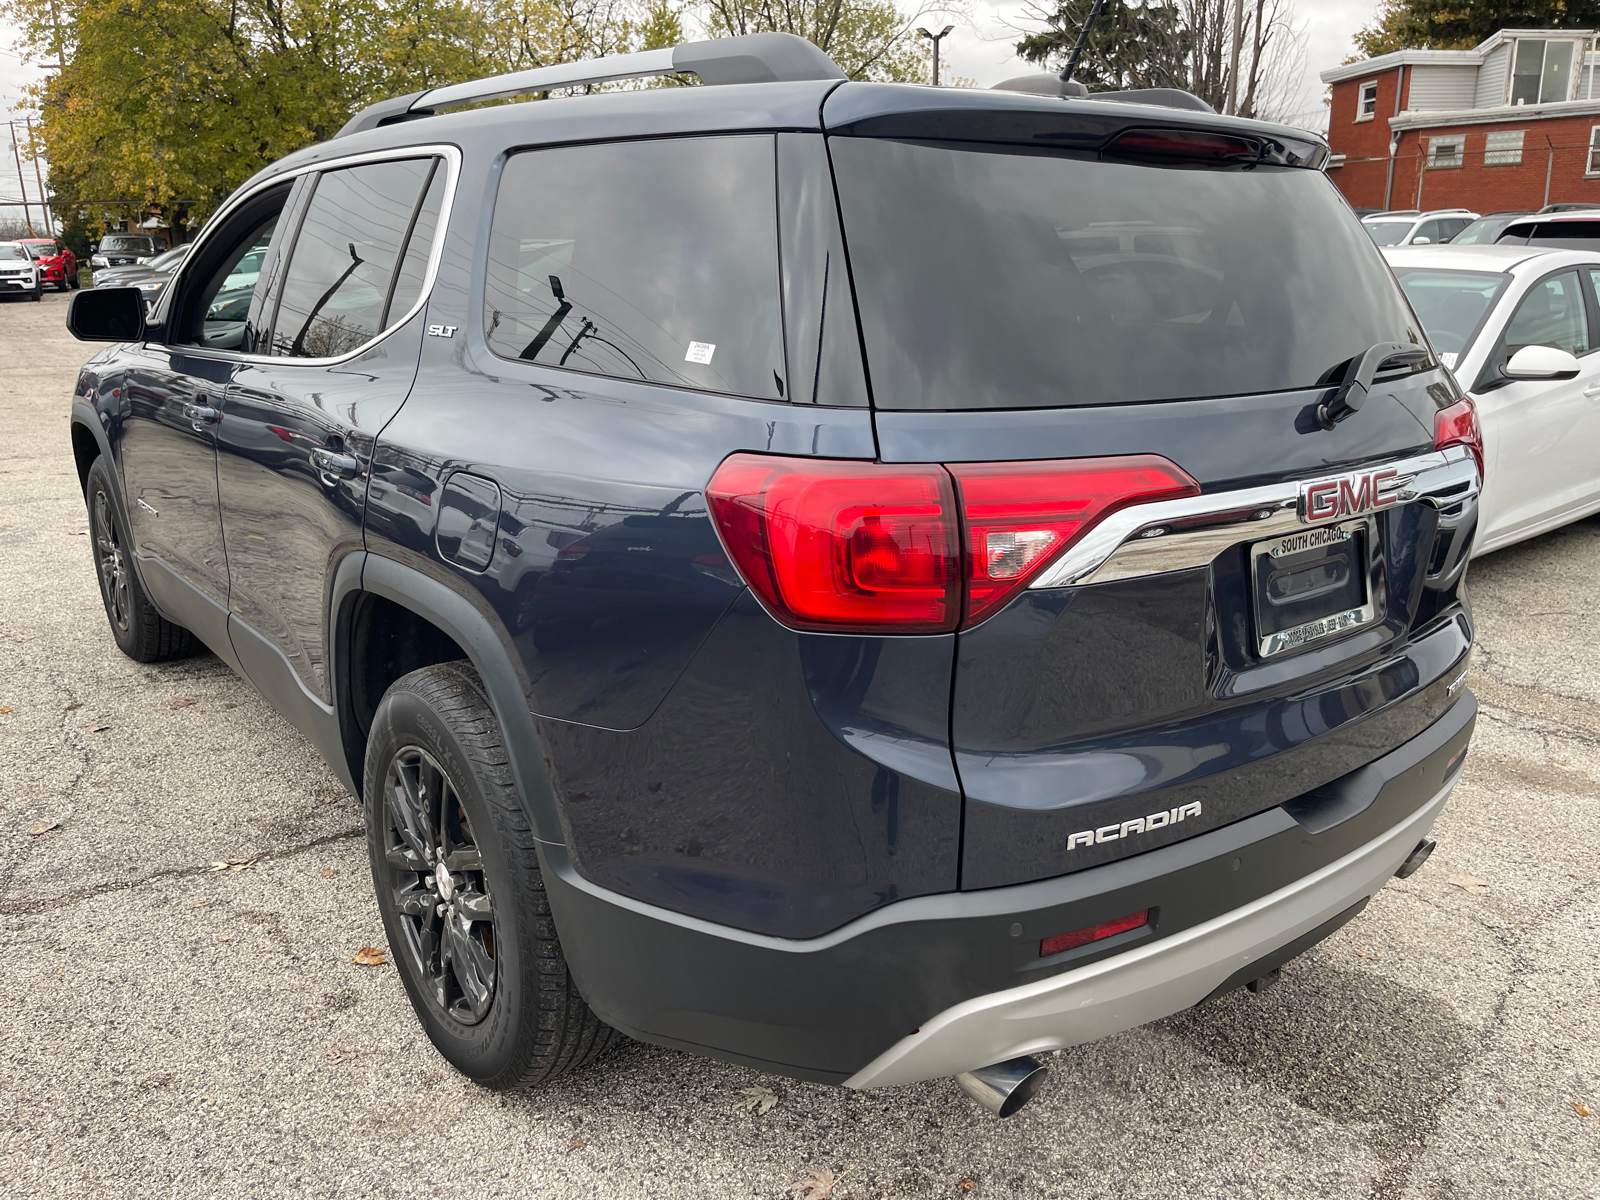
167 1029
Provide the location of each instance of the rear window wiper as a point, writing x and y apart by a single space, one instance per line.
1352 393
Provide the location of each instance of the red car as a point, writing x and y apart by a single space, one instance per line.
57 264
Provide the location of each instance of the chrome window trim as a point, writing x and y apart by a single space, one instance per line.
452 159
1178 535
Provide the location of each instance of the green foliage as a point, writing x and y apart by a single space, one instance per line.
1462 24
1131 46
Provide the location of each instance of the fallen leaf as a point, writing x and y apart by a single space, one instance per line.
1581 1108
4 710
228 704
105 714
200 904
578 1146
966 1185
61 970
97 728
222 941
218 866
370 956
43 827
817 1184
75 704
339 1054
1364 954
758 1100
181 702
329 873
1469 883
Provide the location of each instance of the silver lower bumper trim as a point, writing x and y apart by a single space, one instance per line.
1143 985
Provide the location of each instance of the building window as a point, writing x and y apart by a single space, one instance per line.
1503 149
1447 151
1594 152
1367 106
1541 71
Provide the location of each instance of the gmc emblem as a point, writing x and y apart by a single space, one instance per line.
1346 496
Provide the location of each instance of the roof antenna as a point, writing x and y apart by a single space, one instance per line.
1083 40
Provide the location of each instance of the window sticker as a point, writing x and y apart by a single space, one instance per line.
1448 358
700 352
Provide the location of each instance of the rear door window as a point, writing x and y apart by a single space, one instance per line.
989 279
350 255
1551 314
654 260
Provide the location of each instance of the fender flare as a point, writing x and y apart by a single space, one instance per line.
491 656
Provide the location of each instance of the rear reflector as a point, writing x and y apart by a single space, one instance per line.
1094 933
1458 426
881 548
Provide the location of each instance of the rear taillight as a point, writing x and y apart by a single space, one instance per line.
1020 516
1458 426
873 547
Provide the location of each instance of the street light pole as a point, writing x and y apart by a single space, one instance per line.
935 38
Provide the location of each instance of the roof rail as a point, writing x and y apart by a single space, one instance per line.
751 58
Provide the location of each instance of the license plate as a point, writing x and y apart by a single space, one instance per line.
1313 585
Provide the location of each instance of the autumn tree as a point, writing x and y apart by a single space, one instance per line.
869 39
1462 24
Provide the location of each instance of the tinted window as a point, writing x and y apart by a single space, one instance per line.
643 260
336 290
1451 305
1012 280
419 248
1481 232
1551 314
1429 230
1564 231
1388 233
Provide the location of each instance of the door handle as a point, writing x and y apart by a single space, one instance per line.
201 415
341 466
1592 391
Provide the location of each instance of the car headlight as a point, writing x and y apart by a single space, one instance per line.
97 261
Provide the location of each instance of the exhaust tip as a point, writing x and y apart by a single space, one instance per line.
1415 859
1006 1086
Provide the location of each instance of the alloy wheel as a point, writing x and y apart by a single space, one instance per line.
438 888
114 582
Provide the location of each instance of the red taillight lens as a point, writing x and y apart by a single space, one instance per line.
853 546
1020 516
843 546
1458 426
1094 933
1183 145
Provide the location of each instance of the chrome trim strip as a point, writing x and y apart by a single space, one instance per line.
1177 535
452 159
1149 982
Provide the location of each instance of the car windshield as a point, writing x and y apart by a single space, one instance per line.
127 244
989 279
11 251
1482 232
1388 233
170 259
1451 305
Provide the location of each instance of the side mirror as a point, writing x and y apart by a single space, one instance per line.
94 247
1542 362
113 314
1422 241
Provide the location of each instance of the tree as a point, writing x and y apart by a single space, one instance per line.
869 39
1462 24
1185 44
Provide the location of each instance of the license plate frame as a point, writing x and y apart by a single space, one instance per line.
1357 542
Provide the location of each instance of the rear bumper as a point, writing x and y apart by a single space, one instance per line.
1143 985
940 984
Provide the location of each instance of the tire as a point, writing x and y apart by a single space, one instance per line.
72 282
142 633
487 979
38 291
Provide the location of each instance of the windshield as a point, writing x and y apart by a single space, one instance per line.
1482 232
10 252
1388 233
128 243
1451 305
994 279
168 260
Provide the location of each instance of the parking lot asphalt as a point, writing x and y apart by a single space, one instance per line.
169 1029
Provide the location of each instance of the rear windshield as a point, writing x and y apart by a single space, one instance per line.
1556 231
1482 232
1451 305
988 279
1388 233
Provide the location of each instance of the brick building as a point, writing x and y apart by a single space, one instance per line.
1513 123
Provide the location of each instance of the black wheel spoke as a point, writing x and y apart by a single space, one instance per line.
408 803
474 906
471 966
464 858
414 901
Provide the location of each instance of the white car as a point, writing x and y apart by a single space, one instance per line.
1417 228
1520 328
19 273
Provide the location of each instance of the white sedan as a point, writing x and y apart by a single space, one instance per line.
1520 328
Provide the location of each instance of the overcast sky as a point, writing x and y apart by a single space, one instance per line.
982 52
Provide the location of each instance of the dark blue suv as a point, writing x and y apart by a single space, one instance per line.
872 582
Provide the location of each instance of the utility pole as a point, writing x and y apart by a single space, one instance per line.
935 38
1238 52
27 216
44 201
